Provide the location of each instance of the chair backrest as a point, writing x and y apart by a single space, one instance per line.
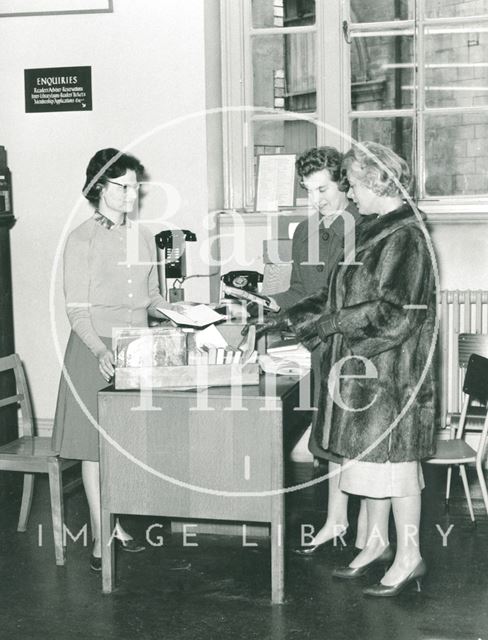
13 362
475 386
468 344
482 442
476 378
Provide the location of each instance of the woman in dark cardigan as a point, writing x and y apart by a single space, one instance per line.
377 398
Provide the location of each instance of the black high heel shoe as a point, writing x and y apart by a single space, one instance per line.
131 545
350 573
95 563
341 540
384 591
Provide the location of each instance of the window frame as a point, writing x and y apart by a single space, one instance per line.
333 95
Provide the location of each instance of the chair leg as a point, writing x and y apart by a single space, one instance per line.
57 512
482 481
462 472
25 507
448 485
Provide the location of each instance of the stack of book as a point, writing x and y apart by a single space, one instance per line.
179 357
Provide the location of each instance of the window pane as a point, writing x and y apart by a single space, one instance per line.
282 13
381 72
284 137
456 154
284 72
455 8
456 72
381 10
395 133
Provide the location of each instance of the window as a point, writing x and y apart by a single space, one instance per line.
411 74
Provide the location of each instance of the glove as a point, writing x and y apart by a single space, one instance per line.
327 325
274 322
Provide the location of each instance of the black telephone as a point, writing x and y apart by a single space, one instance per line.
5 186
172 243
246 280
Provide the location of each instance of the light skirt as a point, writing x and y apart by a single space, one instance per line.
382 479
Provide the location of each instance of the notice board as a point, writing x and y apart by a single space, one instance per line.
58 89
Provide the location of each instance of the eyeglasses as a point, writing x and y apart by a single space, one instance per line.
125 187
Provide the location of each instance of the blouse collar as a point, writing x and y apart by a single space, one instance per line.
106 222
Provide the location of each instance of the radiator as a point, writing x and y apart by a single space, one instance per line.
460 312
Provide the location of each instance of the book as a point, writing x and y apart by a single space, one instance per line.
210 354
263 301
150 347
199 315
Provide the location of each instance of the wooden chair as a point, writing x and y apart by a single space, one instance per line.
457 451
32 454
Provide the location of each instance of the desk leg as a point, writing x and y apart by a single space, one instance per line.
278 554
108 552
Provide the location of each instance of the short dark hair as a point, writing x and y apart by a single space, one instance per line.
319 158
105 165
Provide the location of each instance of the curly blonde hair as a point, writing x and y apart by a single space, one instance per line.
381 169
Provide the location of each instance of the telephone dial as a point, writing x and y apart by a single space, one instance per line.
246 280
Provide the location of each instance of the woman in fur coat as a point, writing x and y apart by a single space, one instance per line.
375 327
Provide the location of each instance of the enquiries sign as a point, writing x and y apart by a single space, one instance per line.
58 89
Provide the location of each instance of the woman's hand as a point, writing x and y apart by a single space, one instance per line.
106 362
272 322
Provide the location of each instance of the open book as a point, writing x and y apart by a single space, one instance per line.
199 315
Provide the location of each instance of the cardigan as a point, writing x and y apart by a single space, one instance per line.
110 279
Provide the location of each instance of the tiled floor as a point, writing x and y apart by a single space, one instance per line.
220 590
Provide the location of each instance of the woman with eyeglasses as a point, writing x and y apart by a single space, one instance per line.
108 282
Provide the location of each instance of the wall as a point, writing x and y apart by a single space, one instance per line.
148 68
153 61
462 254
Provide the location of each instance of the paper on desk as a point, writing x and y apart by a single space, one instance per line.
199 315
295 353
279 366
210 337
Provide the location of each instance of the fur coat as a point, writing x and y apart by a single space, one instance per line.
377 392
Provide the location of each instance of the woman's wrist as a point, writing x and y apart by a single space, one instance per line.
101 351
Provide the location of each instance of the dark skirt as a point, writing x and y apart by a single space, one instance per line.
74 435
315 449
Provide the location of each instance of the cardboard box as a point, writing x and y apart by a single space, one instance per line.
158 358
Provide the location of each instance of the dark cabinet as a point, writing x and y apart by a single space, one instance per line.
8 415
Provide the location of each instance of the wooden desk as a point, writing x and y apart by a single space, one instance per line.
207 457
